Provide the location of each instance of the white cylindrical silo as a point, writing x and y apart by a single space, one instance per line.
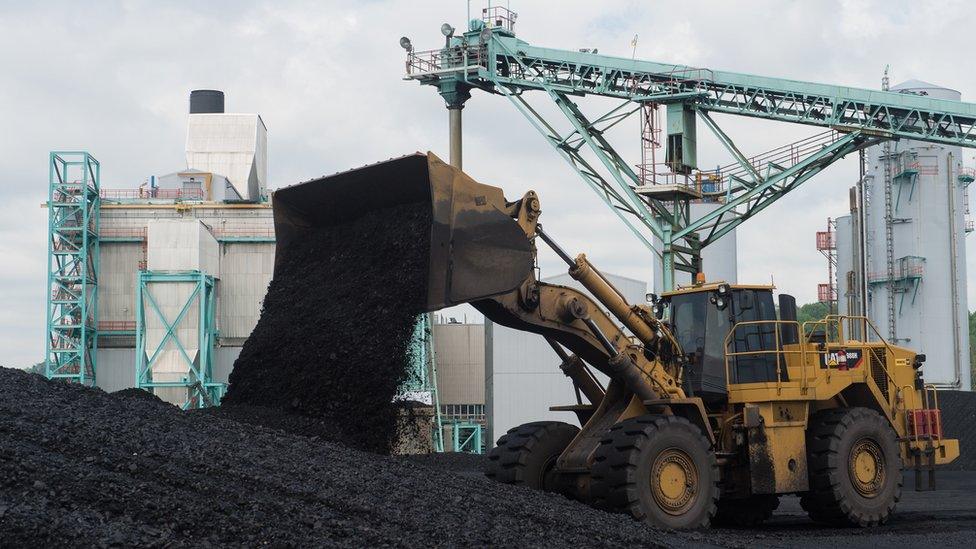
719 259
915 207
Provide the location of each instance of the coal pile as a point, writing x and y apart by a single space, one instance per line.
959 421
82 468
333 339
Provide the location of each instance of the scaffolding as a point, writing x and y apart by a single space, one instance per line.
827 246
72 267
174 350
421 380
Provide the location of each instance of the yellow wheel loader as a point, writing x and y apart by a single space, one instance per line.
717 401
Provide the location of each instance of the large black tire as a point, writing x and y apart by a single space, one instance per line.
855 468
657 469
745 512
526 454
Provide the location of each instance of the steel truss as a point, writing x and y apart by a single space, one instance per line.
72 267
489 57
197 382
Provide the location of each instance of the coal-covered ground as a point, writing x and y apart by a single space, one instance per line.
332 342
83 468
959 422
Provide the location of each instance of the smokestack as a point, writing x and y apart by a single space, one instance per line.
206 101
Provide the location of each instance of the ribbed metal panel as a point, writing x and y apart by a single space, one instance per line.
116 369
246 272
117 281
460 355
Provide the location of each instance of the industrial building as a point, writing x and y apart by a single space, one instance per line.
158 285
901 254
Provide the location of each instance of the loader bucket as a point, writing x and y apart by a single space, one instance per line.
477 250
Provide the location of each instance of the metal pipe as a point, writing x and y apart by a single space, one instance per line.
608 345
622 367
555 247
953 274
605 293
454 132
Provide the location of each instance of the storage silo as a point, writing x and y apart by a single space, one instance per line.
915 205
846 275
719 259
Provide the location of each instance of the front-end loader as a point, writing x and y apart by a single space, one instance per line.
716 401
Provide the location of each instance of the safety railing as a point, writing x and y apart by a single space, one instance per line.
778 350
123 232
454 58
147 193
243 231
117 326
782 157
499 17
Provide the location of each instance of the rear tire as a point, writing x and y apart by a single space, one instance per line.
855 468
745 512
657 469
527 454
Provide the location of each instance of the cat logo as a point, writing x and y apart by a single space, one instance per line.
841 359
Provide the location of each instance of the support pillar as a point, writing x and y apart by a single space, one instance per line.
454 132
455 94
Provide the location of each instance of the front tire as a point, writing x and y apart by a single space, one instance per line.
855 468
657 469
527 454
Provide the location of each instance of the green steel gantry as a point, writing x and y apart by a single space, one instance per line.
72 266
421 377
489 57
170 318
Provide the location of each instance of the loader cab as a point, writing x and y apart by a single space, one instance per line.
701 318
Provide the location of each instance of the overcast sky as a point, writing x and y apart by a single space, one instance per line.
113 78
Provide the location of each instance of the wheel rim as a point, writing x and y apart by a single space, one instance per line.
674 481
867 467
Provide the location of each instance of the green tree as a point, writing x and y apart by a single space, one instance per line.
815 311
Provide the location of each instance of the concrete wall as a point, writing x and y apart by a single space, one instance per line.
459 350
522 376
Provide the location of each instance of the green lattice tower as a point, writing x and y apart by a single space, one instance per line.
72 267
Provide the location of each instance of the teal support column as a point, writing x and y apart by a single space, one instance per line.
73 206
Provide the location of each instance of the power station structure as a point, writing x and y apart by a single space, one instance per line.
901 254
159 284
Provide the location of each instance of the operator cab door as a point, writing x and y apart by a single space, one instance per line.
750 305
